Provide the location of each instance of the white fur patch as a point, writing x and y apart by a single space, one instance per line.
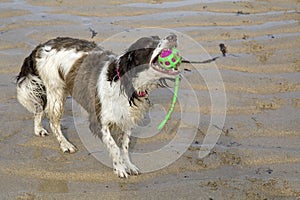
53 61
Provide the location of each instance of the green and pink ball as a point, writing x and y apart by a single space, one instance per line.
169 59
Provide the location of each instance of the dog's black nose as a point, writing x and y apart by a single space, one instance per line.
172 37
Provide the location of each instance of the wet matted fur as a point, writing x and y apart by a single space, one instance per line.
112 88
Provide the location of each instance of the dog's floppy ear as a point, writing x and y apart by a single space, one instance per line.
126 61
126 71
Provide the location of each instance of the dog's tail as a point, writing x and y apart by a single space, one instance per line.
29 66
31 91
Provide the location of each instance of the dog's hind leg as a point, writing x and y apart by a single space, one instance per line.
132 169
38 127
32 95
56 98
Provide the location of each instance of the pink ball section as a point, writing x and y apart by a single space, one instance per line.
166 53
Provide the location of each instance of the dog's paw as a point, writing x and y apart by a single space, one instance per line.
41 132
132 169
67 147
120 169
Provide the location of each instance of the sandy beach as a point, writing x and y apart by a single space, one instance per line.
257 155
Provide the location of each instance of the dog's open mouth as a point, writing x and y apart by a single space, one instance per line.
166 67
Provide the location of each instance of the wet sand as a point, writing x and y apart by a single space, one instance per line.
256 157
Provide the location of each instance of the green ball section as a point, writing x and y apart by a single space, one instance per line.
171 61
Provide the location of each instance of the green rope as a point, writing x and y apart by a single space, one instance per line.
163 123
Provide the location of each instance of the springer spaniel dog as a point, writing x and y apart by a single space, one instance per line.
112 88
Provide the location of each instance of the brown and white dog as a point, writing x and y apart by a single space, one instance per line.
112 89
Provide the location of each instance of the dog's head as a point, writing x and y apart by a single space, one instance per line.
139 66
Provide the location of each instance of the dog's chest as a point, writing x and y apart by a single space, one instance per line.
115 108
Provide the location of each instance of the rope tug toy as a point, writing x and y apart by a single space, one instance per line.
170 59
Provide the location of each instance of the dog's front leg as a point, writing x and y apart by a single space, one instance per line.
118 162
132 169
